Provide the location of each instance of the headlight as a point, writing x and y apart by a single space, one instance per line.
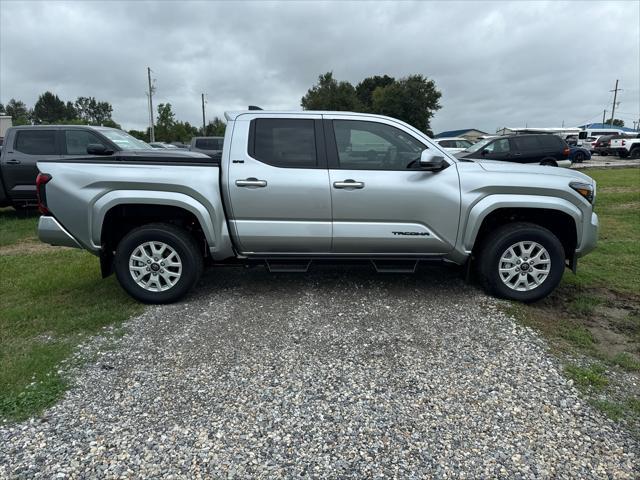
587 190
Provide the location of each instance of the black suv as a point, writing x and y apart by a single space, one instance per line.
545 149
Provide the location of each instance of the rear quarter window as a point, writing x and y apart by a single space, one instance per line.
36 142
550 142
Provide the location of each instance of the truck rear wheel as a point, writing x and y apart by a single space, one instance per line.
158 263
521 261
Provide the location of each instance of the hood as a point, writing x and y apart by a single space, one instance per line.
532 168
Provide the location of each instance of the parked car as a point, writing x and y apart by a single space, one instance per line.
292 189
454 144
543 149
25 145
590 135
163 145
579 154
602 145
211 146
626 146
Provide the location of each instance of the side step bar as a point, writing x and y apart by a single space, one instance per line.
288 266
395 266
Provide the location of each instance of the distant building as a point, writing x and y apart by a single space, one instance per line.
471 134
596 126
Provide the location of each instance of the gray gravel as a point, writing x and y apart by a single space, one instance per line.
336 373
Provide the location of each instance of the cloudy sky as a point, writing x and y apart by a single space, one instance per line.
497 64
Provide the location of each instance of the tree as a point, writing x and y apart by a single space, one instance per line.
365 89
413 99
215 128
329 94
49 109
616 122
165 122
18 112
93 112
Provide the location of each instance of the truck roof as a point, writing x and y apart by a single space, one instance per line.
92 127
235 114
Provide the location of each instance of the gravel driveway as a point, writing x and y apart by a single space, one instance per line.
336 373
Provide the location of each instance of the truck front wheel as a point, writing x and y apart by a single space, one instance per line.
158 263
521 261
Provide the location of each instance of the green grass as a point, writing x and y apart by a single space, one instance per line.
16 226
613 410
592 376
50 302
615 264
626 362
576 334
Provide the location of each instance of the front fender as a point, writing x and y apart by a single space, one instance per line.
173 199
491 203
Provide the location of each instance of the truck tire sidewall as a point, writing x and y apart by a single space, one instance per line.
177 239
551 162
623 154
508 236
634 153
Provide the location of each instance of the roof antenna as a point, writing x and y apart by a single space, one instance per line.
254 107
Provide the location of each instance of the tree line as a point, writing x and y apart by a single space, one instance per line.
413 99
49 109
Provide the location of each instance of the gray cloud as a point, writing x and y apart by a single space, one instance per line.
497 64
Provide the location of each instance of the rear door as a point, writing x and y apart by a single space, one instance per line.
383 204
529 149
278 185
19 160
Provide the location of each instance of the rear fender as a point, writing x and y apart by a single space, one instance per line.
139 197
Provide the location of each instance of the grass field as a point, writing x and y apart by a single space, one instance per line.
593 319
51 300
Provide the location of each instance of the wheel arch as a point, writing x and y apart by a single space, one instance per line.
557 215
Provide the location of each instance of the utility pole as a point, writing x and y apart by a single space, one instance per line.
615 96
152 134
204 124
604 115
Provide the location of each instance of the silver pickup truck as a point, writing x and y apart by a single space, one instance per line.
296 188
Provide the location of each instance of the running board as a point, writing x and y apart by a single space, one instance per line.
395 266
288 266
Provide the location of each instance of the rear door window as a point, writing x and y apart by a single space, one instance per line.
284 142
209 143
527 144
36 142
76 141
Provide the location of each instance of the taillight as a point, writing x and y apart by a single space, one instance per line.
41 180
623 143
566 152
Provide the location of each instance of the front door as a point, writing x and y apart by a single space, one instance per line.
278 186
382 202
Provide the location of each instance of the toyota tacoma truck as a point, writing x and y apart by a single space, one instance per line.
626 146
292 189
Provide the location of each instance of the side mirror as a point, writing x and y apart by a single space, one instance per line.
431 162
98 149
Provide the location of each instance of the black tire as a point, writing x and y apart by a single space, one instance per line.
635 153
549 162
499 242
579 157
190 256
623 154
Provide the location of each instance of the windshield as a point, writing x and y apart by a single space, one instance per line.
477 146
125 141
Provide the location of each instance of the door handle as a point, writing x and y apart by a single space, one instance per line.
348 184
251 182
13 161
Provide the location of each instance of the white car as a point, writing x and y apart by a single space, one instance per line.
454 144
